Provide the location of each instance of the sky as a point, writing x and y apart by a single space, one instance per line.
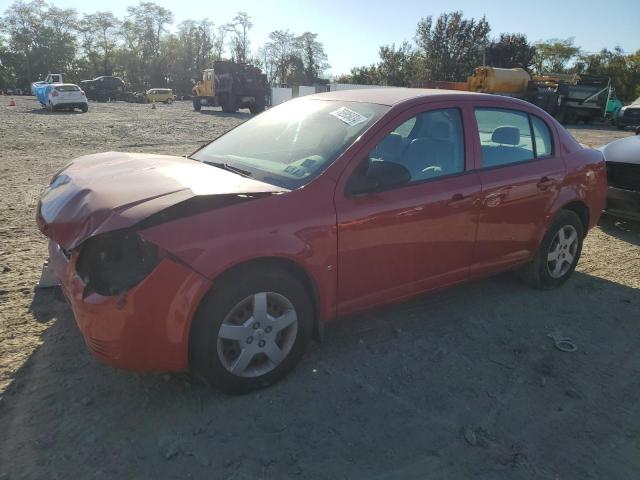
352 31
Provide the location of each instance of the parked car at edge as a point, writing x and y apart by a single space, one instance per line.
164 95
629 115
623 172
61 96
104 88
229 262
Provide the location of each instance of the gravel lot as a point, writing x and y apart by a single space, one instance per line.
460 384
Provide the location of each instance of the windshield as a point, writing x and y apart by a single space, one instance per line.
291 144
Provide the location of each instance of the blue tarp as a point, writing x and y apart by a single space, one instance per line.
42 93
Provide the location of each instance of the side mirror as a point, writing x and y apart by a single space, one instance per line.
379 175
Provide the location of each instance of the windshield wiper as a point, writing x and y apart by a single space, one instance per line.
231 168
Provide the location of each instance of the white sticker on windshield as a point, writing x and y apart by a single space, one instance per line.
348 116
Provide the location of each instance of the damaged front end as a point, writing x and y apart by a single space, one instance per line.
112 263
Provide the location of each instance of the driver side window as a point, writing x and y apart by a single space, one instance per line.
429 145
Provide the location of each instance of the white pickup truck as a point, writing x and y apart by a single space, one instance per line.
51 78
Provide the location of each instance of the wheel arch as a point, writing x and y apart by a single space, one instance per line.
286 265
581 209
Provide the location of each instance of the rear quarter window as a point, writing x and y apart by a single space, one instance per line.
542 136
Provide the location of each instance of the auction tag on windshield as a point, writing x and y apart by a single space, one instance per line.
349 116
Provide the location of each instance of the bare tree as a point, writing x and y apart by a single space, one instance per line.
239 28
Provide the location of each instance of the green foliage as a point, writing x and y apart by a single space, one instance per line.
37 38
293 60
554 55
40 39
510 50
452 47
448 48
624 70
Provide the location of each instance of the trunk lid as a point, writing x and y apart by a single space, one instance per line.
108 191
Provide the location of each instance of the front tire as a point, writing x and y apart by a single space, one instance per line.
558 253
252 331
196 104
229 104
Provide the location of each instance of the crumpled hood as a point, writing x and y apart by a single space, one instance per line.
107 191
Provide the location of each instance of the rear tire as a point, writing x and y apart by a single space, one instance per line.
546 273
84 108
265 333
257 108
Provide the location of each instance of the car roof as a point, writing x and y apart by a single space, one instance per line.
63 84
394 95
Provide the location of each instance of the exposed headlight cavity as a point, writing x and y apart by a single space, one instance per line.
114 262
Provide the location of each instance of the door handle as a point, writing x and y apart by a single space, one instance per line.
544 183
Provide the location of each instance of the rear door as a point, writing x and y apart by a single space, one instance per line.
413 237
521 170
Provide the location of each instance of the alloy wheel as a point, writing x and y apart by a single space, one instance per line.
257 334
562 251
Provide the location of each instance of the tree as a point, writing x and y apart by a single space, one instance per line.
280 55
144 28
240 27
100 37
34 30
451 48
622 69
553 55
511 50
188 53
314 58
398 67
362 76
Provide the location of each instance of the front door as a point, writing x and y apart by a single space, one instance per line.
400 240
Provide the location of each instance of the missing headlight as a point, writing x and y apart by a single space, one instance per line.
112 263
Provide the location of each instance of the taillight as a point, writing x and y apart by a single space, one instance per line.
54 93
82 92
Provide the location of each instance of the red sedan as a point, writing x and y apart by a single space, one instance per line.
228 262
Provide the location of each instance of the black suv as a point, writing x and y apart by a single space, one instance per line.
103 88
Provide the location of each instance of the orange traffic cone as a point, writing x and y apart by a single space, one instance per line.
153 105
12 103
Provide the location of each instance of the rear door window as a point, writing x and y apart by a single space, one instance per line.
505 136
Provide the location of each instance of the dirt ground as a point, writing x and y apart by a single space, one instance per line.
460 384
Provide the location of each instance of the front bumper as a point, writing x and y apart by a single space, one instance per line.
144 329
629 120
623 203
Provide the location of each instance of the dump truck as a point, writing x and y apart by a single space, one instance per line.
568 97
231 86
